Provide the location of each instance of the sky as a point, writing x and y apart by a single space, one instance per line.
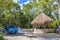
21 1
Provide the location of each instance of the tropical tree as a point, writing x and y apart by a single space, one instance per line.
32 9
8 10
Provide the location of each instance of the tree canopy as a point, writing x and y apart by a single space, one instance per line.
11 12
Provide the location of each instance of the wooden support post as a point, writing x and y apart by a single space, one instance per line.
33 28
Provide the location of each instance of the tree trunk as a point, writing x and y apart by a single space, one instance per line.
59 8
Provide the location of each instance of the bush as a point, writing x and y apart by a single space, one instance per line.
1 38
52 24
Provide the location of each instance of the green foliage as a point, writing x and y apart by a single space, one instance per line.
41 6
52 24
1 38
8 9
23 18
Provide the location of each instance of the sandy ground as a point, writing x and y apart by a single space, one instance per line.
32 36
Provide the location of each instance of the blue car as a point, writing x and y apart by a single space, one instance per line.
9 28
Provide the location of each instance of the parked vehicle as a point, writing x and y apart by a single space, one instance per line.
9 28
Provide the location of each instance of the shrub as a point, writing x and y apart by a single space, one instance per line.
1 38
52 24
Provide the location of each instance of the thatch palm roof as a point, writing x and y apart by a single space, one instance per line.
41 19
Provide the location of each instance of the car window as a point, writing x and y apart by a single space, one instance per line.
11 26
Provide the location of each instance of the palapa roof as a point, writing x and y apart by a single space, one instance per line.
41 19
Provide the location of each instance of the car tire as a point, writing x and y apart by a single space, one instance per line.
15 32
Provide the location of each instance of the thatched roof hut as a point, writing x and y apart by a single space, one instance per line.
41 19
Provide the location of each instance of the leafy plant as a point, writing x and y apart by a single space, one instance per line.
1 38
52 24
